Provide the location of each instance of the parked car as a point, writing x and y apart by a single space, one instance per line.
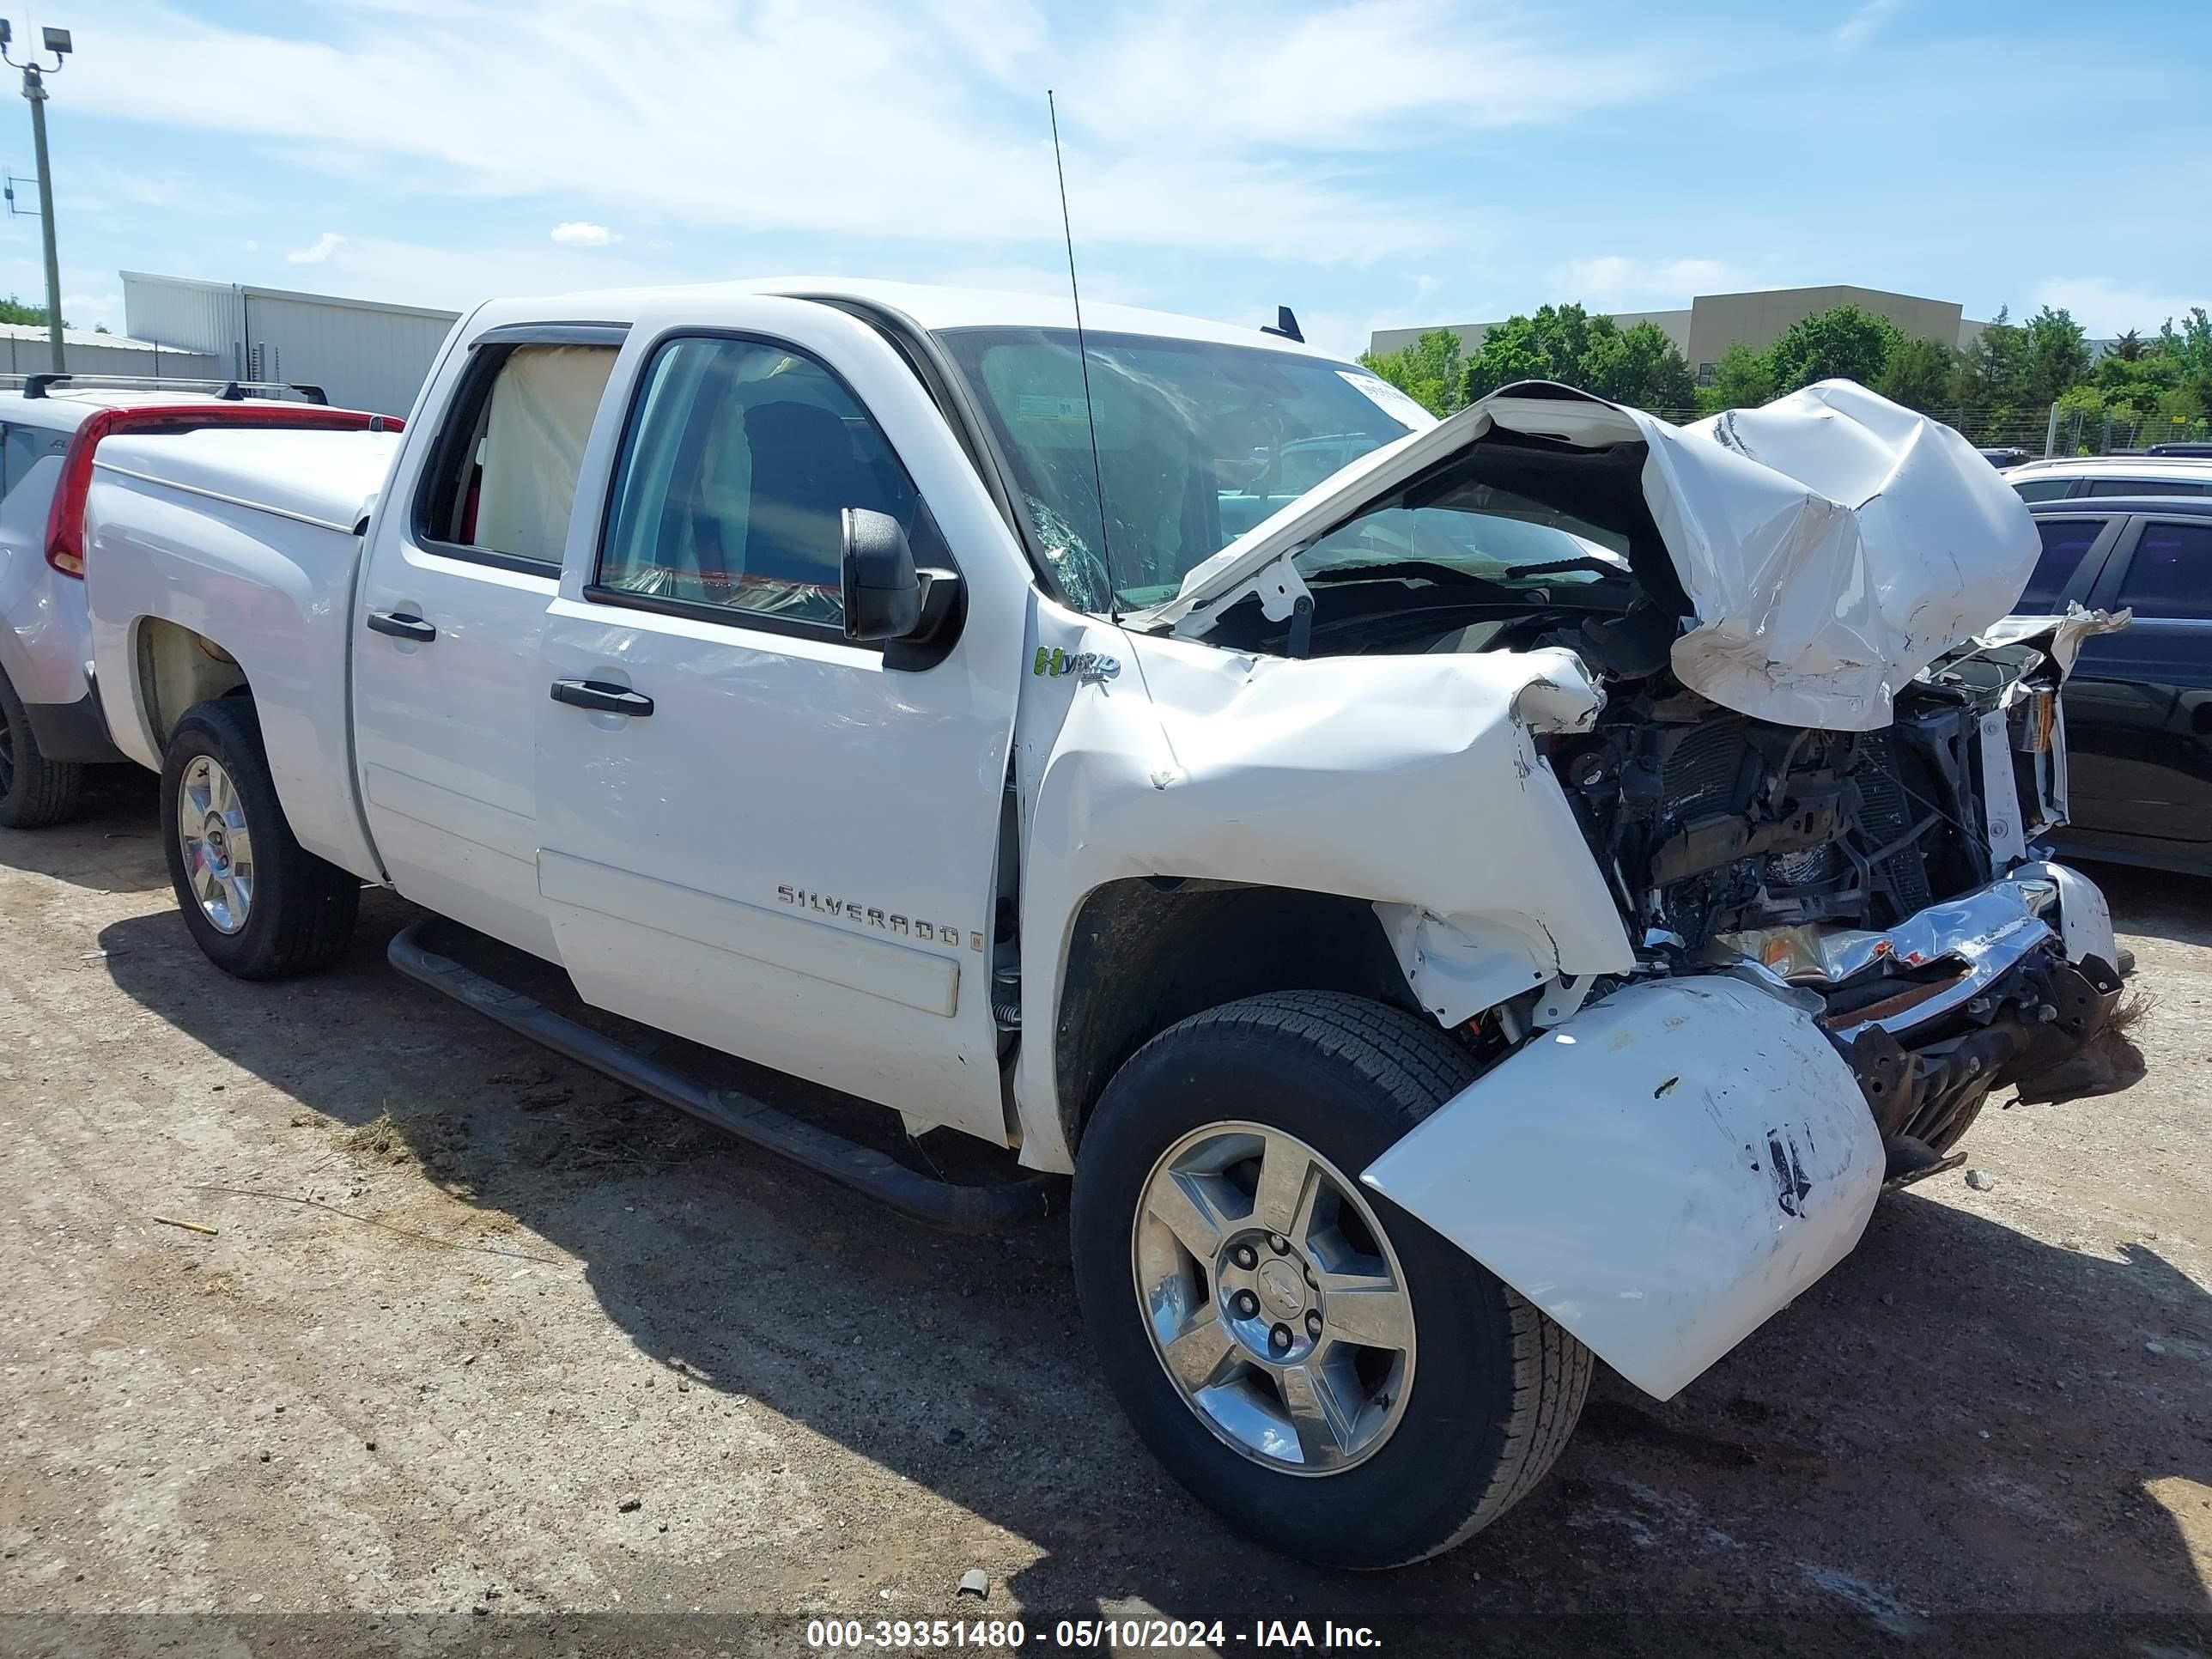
2190 449
2066 478
50 428
2004 455
1452 930
2139 705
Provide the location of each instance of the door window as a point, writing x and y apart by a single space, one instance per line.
2170 574
21 449
2044 490
740 460
2143 487
2065 542
503 480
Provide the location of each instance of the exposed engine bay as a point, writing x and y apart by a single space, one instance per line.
1822 859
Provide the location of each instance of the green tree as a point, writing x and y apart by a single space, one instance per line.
1570 345
2056 356
1918 374
1742 379
2188 350
1993 371
13 310
1639 366
1428 371
1556 343
1844 344
2129 347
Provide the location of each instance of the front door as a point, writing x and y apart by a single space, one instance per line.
2139 702
766 837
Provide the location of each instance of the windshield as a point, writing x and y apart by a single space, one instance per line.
1475 529
1197 443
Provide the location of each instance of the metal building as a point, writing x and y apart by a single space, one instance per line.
365 354
24 350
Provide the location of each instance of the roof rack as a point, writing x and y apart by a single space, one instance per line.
38 385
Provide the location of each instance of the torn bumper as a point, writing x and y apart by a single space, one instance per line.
1676 1163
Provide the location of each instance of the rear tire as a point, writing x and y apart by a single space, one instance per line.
1419 1439
34 792
258 905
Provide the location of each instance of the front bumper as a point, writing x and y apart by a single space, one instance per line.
1664 1171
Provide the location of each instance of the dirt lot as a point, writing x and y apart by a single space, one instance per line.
479 1335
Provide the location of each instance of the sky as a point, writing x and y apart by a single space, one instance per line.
1371 163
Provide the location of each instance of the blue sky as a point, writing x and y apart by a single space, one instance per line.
1374 163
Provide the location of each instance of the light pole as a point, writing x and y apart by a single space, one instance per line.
56 41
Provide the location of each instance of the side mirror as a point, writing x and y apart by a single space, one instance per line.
883 590
918 612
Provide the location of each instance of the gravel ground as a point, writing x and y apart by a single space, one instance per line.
475 1334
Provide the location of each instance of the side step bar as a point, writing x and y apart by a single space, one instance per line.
963 1209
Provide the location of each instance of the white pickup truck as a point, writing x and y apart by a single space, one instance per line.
1458 898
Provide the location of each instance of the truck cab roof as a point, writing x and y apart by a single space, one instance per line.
928 306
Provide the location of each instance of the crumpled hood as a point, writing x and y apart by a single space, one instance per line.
1831 544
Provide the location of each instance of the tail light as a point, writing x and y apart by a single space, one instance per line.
66 519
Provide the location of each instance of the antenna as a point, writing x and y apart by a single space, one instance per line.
1083 357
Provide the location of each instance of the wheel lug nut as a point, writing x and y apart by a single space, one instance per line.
1313 1324
1247 1304
1279 1338
1246 1256
1279 1244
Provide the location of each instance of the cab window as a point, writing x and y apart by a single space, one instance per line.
502 481
739 462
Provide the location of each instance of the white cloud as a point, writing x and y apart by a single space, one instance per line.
1613 281
1862 25
2106 308
582 233
325 247
913 119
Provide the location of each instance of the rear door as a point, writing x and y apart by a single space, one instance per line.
778 841
446 680
2139 703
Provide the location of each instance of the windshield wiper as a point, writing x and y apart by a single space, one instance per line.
1515 573
1397 570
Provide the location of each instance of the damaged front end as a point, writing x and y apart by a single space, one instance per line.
1813 788
1883 873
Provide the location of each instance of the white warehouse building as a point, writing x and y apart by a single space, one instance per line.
364 354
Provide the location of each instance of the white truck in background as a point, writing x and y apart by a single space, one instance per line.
51 425
1519 897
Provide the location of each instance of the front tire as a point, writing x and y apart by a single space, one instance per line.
258 904
1329 1374
34 792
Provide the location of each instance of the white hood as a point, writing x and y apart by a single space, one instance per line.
1832 544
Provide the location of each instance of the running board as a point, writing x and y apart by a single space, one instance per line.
963 1209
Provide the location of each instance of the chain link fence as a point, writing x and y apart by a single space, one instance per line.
2058 430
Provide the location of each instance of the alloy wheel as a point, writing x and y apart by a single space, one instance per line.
1273 1298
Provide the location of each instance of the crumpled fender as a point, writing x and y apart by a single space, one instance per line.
1408 781
1660 1174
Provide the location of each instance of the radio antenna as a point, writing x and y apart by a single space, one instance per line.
1083 357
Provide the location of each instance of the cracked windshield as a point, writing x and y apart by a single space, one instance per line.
1197 443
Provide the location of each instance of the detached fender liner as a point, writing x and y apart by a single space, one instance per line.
1660 1174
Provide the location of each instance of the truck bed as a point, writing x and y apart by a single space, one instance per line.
250 538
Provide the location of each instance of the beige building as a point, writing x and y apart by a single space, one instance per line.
1711 322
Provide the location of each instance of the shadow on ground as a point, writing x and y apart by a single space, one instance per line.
109 847
1960 1417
